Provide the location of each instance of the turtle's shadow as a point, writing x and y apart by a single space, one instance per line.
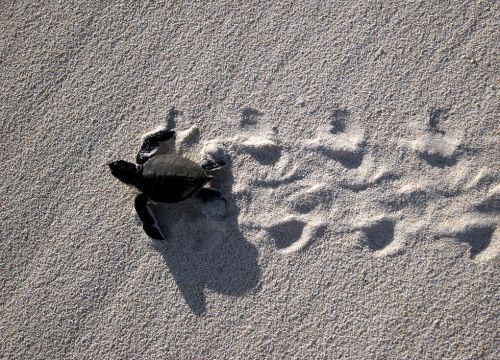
205 248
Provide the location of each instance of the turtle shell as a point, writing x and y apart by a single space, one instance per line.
170 178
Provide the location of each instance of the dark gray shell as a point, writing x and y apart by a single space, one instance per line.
171 178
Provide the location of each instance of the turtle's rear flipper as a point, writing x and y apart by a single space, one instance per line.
210 165
207 194
156 143
149 222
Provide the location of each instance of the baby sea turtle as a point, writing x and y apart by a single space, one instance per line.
164 177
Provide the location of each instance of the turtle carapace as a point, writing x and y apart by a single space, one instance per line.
163 177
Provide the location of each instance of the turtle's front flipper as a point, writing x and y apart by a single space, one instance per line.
207 194
155 143
149 222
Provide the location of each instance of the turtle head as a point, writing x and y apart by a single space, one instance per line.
125 172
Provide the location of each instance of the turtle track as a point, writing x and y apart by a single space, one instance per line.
341 186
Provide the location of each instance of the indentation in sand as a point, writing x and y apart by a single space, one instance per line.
476 232
286 232
435 146
437 150
484 177
436 116
342 141
367 175
282 173
308 200
339 120
491 202
293 233
379 235
249 116
187 138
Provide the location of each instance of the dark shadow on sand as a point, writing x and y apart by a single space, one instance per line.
439 161
478 238
348 159
205 248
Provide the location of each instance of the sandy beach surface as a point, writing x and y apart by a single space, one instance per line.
362 213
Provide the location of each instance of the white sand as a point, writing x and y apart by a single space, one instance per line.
362 216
